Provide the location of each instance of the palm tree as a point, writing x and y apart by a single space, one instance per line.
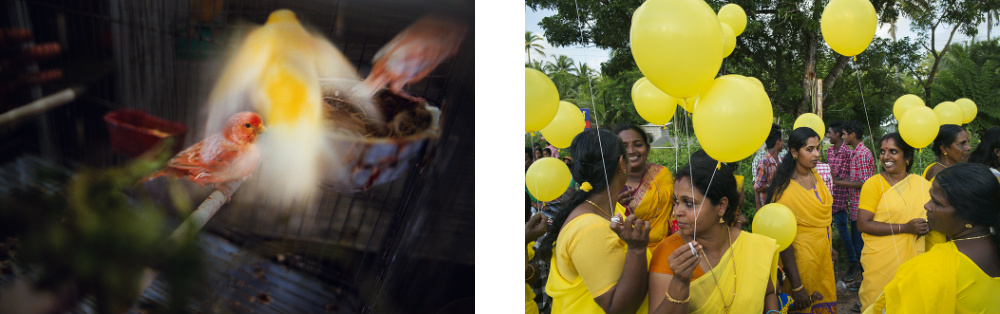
529 44
563 65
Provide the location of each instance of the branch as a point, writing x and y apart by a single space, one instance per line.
838 68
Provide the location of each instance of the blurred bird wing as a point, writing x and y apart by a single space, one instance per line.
239 77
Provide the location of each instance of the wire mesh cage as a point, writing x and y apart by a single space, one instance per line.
402 246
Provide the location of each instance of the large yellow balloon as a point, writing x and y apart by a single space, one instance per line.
777 222
565 126
547 178
728 40
904 103
541 100
848 25
652 104
732 14
677 45
949 113
919 126
732 119
969 109
812 121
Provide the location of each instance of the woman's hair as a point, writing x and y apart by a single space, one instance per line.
983 153
592 165
700 172
946 136
903 146
972 190
786 169
623 127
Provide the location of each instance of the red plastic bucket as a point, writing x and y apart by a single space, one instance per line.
134 132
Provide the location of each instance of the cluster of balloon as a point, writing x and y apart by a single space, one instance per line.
812 121
848 25
776 221
919 124
559 122
732 118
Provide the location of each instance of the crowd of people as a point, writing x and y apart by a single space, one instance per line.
630 236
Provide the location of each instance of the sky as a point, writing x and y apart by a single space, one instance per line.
594 56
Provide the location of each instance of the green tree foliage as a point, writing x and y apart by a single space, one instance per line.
972 71
531 44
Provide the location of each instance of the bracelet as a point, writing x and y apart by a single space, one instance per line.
532 272
797 289
667 293
776 311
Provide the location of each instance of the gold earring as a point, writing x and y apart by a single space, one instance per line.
968 226
946 154
721 221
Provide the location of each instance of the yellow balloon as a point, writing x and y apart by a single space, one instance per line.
812 121
652 104
677 45
904 103
848 25
728 40
732 119
919 126
547 179
969 109
777 222
565 126
949 113
541 100
733 15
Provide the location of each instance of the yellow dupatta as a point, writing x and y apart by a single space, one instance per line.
812 242
753 268
942 280
653 202
530 307
882 255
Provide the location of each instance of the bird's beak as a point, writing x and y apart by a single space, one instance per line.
261 130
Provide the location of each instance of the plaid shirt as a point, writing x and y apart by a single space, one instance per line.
765 172
824 173
862 167
840 169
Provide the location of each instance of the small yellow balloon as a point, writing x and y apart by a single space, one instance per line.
652 104
565 126
777 222
677 45
919 126
728 40
733 15
812 121
848 25
905 103
547 178
688 103
541 100
949 113
969 109
731 119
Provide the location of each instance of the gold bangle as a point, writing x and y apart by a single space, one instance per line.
797 289
532 268
667 293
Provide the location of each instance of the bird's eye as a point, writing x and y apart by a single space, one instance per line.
247 125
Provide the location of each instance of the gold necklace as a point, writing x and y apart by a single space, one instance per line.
977 237
732 259
598 208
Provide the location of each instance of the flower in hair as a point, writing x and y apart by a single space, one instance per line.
586 187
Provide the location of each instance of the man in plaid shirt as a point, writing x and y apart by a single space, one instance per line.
765 170
861 166
838 156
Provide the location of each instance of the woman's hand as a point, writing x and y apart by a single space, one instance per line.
917 226
534 228
625 197
683 262
802 300
633 231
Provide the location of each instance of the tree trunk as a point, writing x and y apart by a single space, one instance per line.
831 78
937 62
809 78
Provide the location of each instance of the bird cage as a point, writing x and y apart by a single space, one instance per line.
405 245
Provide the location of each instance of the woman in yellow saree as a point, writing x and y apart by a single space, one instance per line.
648 191
808 262
732 272
891 217
598 264
951 146
962 275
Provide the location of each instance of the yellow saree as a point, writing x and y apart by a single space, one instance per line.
812 242
653 201
743 293
896 204
933 238
530 307
942 280
587 260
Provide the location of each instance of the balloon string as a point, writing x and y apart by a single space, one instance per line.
597 126
878 162
687 122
